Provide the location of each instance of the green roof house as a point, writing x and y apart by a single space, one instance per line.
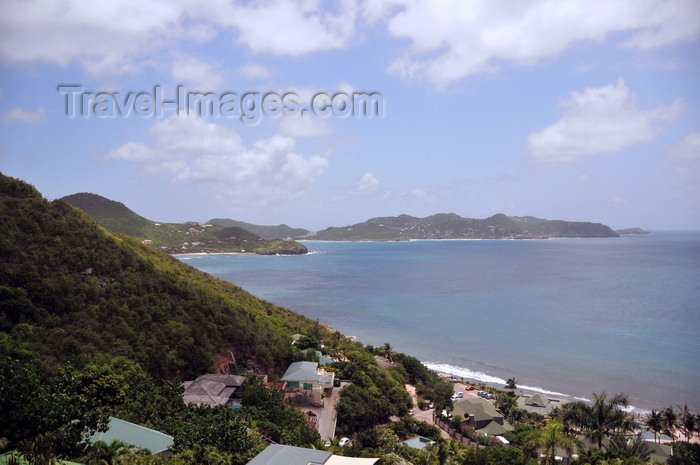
153 441
307 379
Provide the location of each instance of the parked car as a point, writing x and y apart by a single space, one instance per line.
454 380
328 444
411 412
344 442
336 382
460 394
469 387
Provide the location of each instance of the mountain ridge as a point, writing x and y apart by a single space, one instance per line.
189 237
453 226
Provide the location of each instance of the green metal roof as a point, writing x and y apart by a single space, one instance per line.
134 435
276 454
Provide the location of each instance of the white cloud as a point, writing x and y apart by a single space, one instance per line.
283 27
195 151
24 116
453 39
106 37
686 153
596 121
255 71
202 75
368 184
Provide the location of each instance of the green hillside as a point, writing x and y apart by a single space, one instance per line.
452 226
191 237
86 290
266 232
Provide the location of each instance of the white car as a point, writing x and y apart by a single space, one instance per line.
344 442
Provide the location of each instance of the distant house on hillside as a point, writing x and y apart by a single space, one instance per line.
214 390
307 379
153 441
481 415
277 454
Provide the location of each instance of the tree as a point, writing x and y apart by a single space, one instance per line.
654 422
388 351
622 448
603 418
512 384
101 453
669 421
548 440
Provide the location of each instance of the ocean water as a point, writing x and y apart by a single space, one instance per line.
567 317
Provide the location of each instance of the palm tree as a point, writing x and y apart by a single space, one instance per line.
687 421
603 418
101 453
669 421
512 384
548 440
654 422
388 351
622 448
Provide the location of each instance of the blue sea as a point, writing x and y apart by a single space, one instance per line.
567 317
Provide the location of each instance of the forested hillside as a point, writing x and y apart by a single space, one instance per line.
86 290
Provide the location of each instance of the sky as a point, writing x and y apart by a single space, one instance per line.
560 109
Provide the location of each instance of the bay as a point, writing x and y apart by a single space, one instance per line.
567 317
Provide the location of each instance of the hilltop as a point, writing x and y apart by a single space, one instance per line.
453 226
85 290
280 231
190 237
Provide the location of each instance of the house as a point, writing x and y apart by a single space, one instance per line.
276 454
481 415
135 435
418 442
307 379
538 400
538 404
213 390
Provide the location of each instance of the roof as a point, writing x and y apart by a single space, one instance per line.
340 460
418 442
538 400
211 389
4 458
135 435
494 429
276 454
475 406
302 371
322 359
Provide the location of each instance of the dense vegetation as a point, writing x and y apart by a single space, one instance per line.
85 290
193 237
452 226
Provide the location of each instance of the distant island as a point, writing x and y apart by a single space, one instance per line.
631 231
178 238
453 226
